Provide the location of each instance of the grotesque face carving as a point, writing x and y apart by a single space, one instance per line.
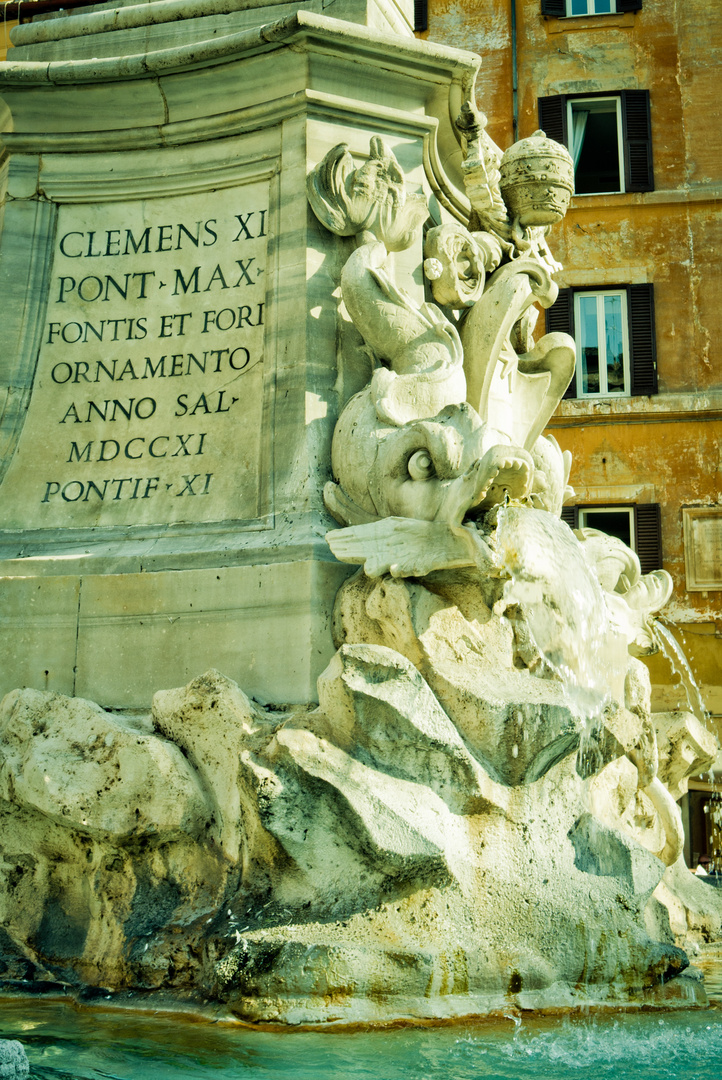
445 468
456 266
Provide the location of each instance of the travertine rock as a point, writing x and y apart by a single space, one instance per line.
94 772
609 853
694 907
370 841
686 748
214 724
106 846
14 1062
381 708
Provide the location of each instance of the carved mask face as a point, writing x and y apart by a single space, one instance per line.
454 265
445 468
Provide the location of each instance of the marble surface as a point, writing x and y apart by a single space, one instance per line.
179 140
148 395
454 828
108 30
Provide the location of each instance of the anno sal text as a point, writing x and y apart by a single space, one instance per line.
153 328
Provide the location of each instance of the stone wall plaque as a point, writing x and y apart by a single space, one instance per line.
148 395
703 547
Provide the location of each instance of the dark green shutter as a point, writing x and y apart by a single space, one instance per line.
642 344
553 117
555 9
648 536
637 135
560 317
421 16
629 5
570 514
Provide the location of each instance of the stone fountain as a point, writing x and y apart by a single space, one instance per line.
472 807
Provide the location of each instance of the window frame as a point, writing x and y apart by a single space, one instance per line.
636 132
587 13
597 99
646 532
557 9
640 327
607 508
626 356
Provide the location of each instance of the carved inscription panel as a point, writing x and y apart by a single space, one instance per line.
703 547
147 400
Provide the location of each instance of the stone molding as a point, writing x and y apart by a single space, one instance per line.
366 46
702 547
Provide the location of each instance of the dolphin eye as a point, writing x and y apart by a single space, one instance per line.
420 465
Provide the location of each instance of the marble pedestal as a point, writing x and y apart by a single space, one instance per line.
168 349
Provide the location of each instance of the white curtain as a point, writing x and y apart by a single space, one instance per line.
579 126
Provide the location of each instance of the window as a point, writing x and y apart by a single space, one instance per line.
595 143
608 135
637 525
561 9
591 7
421 16
614 520
613 329
602 344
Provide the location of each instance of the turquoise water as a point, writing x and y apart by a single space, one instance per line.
64 1043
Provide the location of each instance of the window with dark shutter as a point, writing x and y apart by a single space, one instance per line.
640 332
560 318
637 134
637 525
648 536
554 9
421 16
592 138
553 117
642 342
570 514
629 5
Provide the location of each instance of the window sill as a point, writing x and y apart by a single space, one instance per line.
572 23
613 493
594 399
707 192
658 408
607 198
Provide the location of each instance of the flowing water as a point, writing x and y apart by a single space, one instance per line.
64 1043
681 667
674 653
563 605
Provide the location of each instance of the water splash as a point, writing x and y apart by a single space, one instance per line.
658 1048
70 1044
681 667
562 607
679 663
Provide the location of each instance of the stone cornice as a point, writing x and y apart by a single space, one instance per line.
303 29
107 20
